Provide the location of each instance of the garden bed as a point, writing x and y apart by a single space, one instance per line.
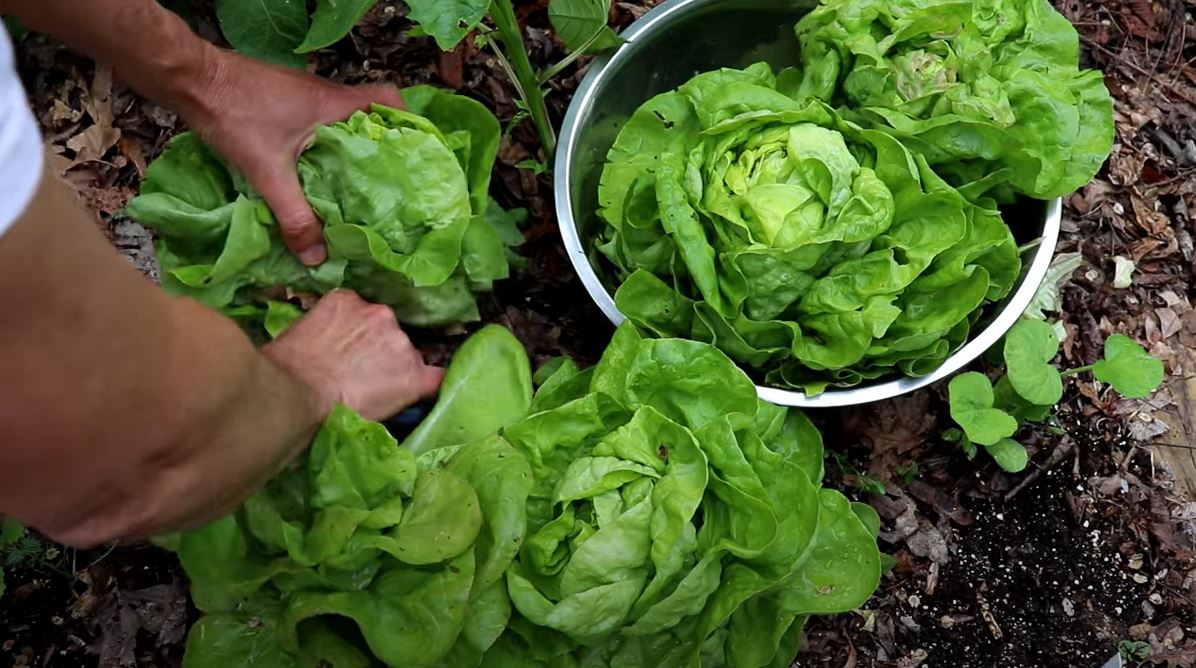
1089 548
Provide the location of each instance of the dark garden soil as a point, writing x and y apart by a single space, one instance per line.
1093 545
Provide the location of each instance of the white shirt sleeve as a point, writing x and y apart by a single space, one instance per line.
20 141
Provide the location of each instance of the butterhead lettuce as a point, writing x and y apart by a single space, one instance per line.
986 90
366 551
648 512
402 194
675 520
808 248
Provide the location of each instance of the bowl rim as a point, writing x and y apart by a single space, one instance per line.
583 101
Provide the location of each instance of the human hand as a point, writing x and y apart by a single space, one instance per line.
349 351
261 117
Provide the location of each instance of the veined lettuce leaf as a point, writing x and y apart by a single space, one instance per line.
411 550
674 518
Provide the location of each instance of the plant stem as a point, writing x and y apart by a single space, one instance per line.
502 12
568 60
506 66
1077 371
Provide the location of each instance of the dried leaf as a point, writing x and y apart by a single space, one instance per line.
1058 274
1169 322
160 611
1123 272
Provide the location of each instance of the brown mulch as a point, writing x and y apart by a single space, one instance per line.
1092 545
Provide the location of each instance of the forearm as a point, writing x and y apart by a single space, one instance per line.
118 401
150 47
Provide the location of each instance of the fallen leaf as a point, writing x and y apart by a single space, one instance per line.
1123 272
946 505
450 66
1092 196
1149 218
62 114
160 611
1187 335
1058 274
1185 511
1169 322
1177 302
1125 168
1140 248
94 141
131 149
893 428
1141 20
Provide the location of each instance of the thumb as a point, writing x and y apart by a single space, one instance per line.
301 230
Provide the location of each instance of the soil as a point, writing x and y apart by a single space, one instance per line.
1092 545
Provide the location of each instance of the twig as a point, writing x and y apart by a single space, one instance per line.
1174 445
989 618
1061 451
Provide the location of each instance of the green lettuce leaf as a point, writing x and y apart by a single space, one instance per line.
409 547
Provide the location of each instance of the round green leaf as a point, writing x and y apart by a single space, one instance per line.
269 30
972 407
1029 348
1009 454
1128 368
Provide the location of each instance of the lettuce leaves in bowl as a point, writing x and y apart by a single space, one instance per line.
809 249
986 90
403 196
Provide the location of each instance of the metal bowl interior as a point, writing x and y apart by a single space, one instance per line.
663 50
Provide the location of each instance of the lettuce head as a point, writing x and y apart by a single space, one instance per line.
986 90
402 194
808 248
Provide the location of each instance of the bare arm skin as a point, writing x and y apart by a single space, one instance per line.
125 412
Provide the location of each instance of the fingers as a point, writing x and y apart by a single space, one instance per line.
348 99
383 94
301 230
427 381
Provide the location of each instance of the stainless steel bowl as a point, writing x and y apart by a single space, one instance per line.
664 49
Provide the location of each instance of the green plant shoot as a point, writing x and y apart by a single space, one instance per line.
1128 368
1029 348
972 408
1032 386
